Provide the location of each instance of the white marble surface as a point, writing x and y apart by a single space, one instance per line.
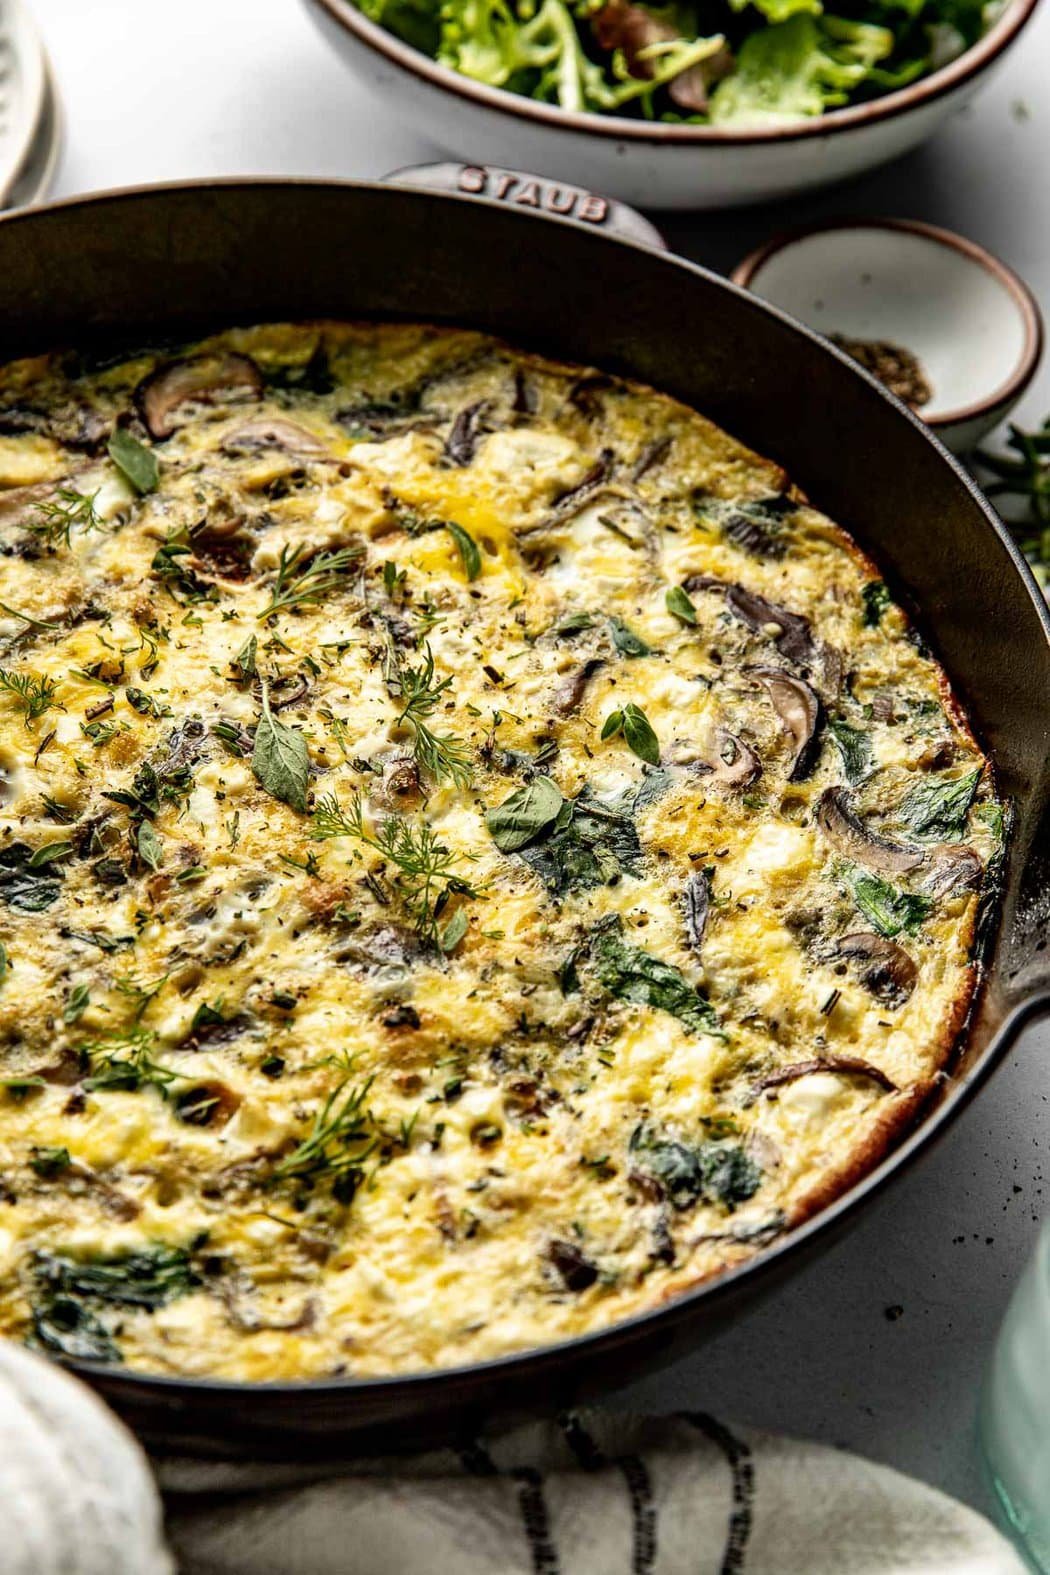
157 91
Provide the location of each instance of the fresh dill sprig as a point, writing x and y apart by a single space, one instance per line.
302 580
426 868
59 516
35 695
1027 476
140 992
342 1137
441 755
127 1060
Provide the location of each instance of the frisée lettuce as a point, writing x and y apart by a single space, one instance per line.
728 63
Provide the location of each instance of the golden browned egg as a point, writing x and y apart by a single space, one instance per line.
479 853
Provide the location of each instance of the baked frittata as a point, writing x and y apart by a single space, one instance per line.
480 853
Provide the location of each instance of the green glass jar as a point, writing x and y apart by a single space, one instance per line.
1015 1412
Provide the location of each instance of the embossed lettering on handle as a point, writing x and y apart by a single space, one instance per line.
531 191
516 189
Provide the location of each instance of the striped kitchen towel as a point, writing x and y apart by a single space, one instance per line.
590 1494
593 1494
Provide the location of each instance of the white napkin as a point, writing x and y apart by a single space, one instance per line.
593 1494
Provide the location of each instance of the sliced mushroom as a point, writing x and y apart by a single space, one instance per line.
651 455
789 631
952 868
267 433
574 1268
466 432
210 1104
887 972
844 1065
570 691
570 502
283 692
849 836
697 907
203 380
736 764
799 709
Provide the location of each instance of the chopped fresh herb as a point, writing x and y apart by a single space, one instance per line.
625 640
527 813
77 1002
454 931
441 755
280 758
34 623
245 660
303 579
145 704
712 1172
876 599
854 746
149 846
886 909
47 1162
23 887
636 975
572 625
467 548
50 853
637 730
680 605
939 807
169 566
135 461
58 517
34 694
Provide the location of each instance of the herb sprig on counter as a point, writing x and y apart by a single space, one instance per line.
1026 477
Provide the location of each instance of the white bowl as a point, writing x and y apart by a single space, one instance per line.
651 163
971 321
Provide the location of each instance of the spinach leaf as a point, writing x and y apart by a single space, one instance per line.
754 525
137 462
625 640
280 758
679 604
589 843
65 1327
150 1277
854 745
886 909
939 808
714 1172
23 885
876 598
467 548
635 975
525 815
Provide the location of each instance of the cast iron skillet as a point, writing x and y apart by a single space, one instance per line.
163 263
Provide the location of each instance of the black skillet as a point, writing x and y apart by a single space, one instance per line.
160 264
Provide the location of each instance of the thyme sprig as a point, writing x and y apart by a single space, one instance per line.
442 756
34 694
304 580
426 869
58 517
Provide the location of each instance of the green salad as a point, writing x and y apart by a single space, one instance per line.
738 63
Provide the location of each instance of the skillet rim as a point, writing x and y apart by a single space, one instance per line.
931 1123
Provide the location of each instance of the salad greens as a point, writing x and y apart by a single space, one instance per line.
738 63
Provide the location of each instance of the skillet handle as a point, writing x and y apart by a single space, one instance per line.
514 189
